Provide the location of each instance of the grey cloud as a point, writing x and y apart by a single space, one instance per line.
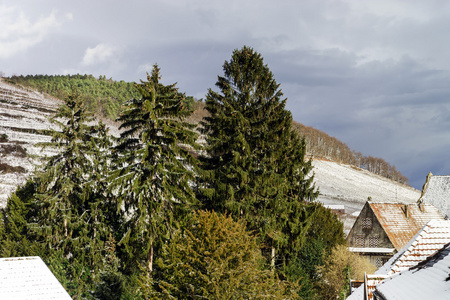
374 75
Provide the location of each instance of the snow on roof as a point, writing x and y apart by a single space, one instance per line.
28 278
429 240
428 280
401 222
437 192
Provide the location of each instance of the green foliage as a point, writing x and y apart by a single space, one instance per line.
256 167
101 95
100 214
152 167
213 258
338 267
294 272
63 214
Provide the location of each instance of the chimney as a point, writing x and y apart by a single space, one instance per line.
406 211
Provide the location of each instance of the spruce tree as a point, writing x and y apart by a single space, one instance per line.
255 167
63 208
153 167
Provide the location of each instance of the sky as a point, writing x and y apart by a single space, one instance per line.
374 74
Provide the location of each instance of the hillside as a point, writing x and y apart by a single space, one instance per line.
23 118
341 184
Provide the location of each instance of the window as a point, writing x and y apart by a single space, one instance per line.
367 223
373 241
359 241
378 262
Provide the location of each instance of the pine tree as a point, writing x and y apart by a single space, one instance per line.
65 209
153 167
256 167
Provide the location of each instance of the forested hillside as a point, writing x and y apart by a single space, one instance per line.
102 96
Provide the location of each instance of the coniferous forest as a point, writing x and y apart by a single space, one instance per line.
151 214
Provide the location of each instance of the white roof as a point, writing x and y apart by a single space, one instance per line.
28 278
428 280
437 192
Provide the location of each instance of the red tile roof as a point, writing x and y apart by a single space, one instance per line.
401 222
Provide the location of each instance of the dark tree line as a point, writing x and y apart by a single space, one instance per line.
142 217
321 145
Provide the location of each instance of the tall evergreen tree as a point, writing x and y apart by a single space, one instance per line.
154 172
64 208
255 167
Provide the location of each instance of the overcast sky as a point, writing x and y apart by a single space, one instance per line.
374 74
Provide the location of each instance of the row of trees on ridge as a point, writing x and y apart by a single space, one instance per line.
321 145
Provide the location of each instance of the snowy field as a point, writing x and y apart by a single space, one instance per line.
341 184
22 113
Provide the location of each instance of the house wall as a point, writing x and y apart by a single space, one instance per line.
377 259
368 233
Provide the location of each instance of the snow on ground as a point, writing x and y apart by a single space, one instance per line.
23 113
341 184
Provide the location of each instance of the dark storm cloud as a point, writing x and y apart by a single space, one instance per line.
397 109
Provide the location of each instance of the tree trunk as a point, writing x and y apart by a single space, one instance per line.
150 258
272 259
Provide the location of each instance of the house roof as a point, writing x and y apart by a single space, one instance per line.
28 278
428 280
401 222
436 191
370 282
428 241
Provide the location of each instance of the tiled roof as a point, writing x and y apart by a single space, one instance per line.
430 239
28 278
437 192
428 280
402 221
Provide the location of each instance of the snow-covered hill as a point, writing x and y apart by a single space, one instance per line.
24 114
349 186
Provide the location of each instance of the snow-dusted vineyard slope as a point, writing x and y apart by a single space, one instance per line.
23 116
349 186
